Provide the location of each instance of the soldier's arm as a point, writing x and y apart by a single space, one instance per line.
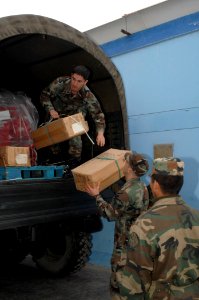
45 100
100 139
106 209
48 94
121 204
94 109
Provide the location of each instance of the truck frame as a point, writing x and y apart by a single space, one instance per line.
49 218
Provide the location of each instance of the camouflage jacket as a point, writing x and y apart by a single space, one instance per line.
58 96
124 208
163 253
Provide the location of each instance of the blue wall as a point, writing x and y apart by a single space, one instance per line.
160 72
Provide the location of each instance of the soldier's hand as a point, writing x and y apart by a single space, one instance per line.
54 114
93 189
100 139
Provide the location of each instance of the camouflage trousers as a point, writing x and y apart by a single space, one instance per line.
118 260
115 295
114 287
75 147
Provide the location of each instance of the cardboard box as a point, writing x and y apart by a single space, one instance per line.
14 156
59 130
105 168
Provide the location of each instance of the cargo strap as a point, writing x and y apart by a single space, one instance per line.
50 120
83 129
116 162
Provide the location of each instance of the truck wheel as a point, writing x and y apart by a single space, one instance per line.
12 250
64 253
10 257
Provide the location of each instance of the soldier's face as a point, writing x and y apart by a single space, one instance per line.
77 82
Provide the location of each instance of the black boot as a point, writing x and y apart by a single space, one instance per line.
73 162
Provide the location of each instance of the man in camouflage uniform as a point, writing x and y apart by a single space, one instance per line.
163 251
70 95
124 208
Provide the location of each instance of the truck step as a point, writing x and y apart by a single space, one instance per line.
35 172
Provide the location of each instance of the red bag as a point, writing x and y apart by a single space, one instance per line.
17 120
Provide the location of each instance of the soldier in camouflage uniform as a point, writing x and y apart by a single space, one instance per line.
163 250
124 208
70 95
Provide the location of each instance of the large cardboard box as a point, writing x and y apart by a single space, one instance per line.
14 156
59 130
105 168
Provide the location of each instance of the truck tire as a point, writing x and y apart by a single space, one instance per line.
10 257
14 247
63 253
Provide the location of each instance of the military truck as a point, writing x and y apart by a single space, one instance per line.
49 218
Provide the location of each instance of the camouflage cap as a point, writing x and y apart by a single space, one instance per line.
168 166
137 162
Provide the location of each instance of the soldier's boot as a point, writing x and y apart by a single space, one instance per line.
75 156
74 162
115 295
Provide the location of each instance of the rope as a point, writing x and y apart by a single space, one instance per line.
83 129
116 162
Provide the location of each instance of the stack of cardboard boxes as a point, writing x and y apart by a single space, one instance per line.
106 168
49 134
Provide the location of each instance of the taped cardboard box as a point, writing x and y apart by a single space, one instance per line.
59 130
105 168
14 156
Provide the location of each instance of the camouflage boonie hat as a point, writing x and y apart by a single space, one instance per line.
168 166
137 162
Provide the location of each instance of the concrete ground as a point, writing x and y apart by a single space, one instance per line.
26 282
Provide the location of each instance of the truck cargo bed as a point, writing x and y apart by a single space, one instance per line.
29 202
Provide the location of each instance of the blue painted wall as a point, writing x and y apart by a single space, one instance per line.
160 72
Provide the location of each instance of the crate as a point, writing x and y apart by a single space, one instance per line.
36 172
106 168
59 130
14 156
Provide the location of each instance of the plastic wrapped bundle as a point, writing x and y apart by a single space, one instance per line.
18 118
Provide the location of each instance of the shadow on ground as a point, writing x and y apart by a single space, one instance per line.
26 282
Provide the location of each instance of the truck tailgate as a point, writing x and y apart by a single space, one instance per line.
29 202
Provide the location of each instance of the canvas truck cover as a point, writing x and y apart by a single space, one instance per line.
34 50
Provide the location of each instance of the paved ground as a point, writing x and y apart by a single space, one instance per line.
26 282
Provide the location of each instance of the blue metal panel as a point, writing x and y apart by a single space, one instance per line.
161 77
161 84
164 121
152 35
185 146
162 92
